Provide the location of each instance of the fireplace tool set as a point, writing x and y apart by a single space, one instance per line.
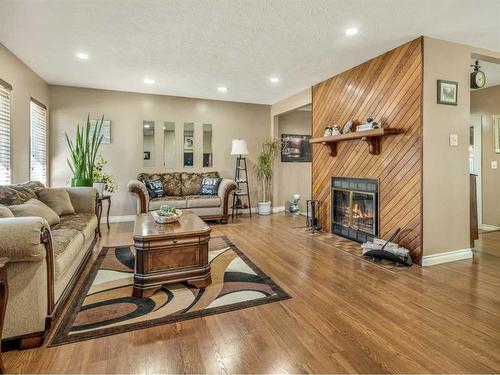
379 249
312 218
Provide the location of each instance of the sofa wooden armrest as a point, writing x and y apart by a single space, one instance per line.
137 188
226 187
28 240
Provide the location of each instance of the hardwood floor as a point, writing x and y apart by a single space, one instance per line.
345 315
489 243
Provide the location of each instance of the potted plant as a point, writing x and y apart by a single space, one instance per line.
103 182
264 169
83 152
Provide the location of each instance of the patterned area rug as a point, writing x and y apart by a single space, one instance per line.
105 305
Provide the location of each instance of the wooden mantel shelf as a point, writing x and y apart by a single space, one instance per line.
372 137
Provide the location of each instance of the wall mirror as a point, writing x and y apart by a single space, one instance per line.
188 144
148 141
207 145
169 144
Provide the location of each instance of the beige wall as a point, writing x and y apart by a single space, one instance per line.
286 105
70 105
486 102
445 168
294 177
25 85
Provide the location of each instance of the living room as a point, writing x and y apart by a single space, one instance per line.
249 187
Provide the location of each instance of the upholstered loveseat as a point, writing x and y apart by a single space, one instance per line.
182 190
45 260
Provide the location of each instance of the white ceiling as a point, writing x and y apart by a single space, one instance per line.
491 71
191 47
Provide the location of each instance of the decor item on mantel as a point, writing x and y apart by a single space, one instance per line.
83 152
372 137
264 169
369 125
103 182
350 126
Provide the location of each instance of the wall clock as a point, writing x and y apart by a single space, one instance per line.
477 77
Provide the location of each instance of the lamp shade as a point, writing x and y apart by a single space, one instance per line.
239 147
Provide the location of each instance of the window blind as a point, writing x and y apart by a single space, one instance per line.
5 173
38 149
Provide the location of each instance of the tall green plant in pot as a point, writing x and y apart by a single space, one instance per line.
264 169
83 152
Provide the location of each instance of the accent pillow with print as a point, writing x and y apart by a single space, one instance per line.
155 188
210 186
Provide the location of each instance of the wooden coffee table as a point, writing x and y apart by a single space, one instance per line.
170 253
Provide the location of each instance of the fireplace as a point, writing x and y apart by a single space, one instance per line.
355 208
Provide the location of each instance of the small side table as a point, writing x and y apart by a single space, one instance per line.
4 293
100 199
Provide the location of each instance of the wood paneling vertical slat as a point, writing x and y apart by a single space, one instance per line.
389 88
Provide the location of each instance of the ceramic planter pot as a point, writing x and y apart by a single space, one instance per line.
79 182
264 208
99 186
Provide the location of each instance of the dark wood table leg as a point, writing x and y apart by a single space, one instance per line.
99 214
4 293
107 213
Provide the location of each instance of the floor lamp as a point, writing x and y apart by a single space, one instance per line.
239 148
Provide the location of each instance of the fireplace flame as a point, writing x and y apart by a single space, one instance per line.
358 213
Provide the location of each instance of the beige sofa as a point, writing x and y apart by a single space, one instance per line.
181 190
45 261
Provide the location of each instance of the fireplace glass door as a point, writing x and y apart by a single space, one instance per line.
363 212
354 209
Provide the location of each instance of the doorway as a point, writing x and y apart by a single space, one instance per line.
484 153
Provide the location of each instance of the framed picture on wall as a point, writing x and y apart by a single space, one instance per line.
295 148
447 92
147 155
496 133
106 130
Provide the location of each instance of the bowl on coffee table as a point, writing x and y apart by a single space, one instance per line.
166 214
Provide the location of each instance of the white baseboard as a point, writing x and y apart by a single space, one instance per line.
278 209
451 256
487 227
118 219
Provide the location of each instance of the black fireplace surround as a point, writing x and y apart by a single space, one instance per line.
355 208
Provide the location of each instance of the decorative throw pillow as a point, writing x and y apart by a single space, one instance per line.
210 186
5 212
191 183
155 188
34 207
58 199
172 184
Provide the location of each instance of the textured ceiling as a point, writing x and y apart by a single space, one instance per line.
191 47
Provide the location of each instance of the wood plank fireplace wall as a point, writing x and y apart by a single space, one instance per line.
388 88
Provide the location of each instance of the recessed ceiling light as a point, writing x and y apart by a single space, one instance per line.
149 81
82 56
274 79
222 89
351 31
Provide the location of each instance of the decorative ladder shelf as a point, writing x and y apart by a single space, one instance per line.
372 137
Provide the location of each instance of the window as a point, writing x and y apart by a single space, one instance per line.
38 149
5 90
